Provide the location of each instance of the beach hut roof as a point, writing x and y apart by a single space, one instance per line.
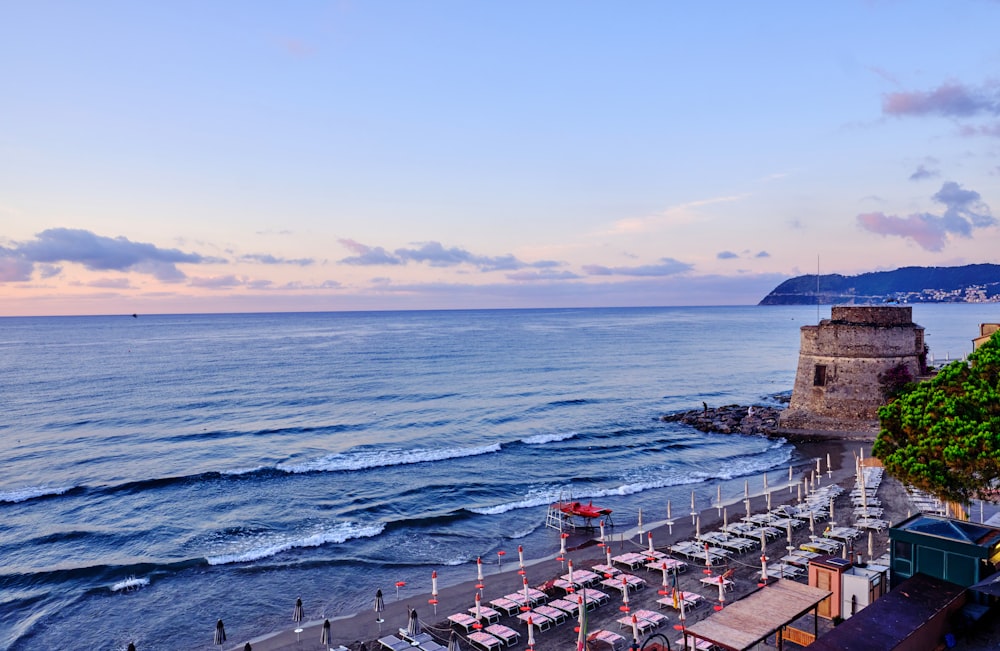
751 620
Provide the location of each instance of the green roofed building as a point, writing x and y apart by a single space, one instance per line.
958 551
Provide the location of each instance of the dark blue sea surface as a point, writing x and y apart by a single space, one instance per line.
226 464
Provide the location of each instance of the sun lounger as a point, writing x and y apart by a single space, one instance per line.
557 616
694 644
505 634
617 642
506 606
644 625
631 560
605 570
657 619
421 641
571 608
692 600
595 598
490 615
485 641
393 643
541 622
466 622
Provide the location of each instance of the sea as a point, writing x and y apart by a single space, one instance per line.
159 472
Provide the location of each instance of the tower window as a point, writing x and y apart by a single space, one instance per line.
819 376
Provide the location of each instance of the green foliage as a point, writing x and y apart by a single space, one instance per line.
943 435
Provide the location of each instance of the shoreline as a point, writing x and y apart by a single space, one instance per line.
351 630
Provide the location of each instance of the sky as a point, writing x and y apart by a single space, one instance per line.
242 156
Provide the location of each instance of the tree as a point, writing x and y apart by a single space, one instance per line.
943 435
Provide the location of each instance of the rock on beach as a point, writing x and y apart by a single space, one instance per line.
731 419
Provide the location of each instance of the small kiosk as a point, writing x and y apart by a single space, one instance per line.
862 586
826 572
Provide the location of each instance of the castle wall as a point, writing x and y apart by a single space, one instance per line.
837 383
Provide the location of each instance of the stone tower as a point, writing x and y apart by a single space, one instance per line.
838 384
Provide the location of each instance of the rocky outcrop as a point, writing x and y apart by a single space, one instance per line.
730 419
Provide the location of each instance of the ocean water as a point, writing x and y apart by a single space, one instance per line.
161 472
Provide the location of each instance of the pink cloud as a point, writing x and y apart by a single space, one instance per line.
949 99
925 232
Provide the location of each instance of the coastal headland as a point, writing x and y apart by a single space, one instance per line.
835 459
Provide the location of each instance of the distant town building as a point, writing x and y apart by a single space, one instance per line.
848 362
986 331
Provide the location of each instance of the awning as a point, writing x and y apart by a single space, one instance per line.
752 619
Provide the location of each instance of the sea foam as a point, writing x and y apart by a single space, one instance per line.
273 544
367 459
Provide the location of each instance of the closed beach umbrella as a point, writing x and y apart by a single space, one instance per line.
527 598
602 533
379 608
220 633
298 613
649 536
569 576
607 554
725 519
640 524
434 591
453 642
531 633
479 570
663 591
624 606
718 495
479 607
693 512
635 628
413 626
520 559
324 636
697 527
581 626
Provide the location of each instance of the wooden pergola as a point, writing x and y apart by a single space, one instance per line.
754 618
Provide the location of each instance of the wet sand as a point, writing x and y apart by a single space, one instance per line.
353 630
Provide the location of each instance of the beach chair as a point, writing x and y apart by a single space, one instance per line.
617 642
505 634
393 643
541 621
485 641
571 608
644 625
466 622
557 616
506 606
491 616
653 617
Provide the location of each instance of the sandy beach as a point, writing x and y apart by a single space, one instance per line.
362 628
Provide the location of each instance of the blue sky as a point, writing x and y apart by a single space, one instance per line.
252 156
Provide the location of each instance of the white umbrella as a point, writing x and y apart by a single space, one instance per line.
718 492
434 591
569 576
531 633
829 468
765 482
663 568
298 613
693 512
479 569
763 568
581 625
640 524
697 528
527 598
871 544
607 554
670 519
635 629
479 611
649 536
725 519
624 606
722 592
602 533
789 478
520 558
